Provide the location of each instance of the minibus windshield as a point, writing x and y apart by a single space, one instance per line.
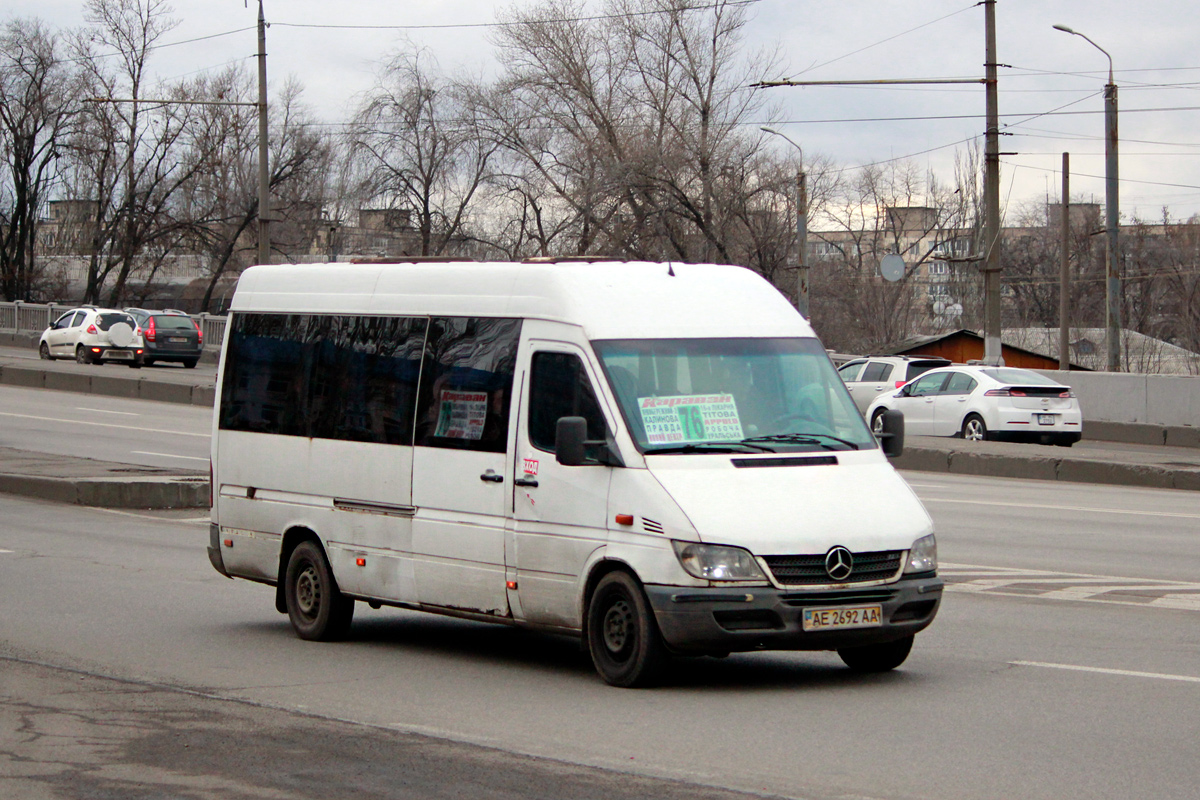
731 395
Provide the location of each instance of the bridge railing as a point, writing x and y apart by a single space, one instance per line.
18 317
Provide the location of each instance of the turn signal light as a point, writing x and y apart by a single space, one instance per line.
511 585
624 519
362 562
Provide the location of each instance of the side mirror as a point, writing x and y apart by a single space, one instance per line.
569 436
891 440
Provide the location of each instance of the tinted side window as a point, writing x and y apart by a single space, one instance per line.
876 371
77 320
559 387
916 368
960 383
328 377
466 383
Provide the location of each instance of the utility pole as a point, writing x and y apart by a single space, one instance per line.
1064 271
1112 221
992 349
264 173
801 225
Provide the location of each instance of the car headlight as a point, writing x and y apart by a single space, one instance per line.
718 562
923 555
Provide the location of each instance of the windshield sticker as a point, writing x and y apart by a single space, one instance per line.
690 418
461 415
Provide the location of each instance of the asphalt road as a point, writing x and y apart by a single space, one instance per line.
1065 663
105 428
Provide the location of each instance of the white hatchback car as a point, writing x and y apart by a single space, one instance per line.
985 403
92 336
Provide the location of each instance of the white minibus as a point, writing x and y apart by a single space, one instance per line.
657 458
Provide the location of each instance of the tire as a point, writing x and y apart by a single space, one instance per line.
877 421
148 362
318 611
82 356
877 657
190 363
44 352
974 429
1066 439
623 639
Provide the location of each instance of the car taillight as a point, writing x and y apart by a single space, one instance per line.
997 393
150 330
900 383
1067 393
92 329
199 332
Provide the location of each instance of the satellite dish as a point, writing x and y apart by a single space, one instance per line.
892 267
954 310
939 307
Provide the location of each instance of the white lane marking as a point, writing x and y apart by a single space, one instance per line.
166 455
151 517
106 411
1088 509
927 485
1048 585
1103 671
5 551
103 425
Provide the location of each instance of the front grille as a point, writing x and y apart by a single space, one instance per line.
807 570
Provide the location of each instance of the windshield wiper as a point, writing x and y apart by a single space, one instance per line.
805 438
712 447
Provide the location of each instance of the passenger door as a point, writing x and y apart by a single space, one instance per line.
461 460
872 382
918 404
65 333
560 513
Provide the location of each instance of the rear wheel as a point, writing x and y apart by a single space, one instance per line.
877 421
82 356
974 429
877 657
623 637
44 351
190 363
318 611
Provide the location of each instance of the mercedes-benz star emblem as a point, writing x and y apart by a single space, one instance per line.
838 563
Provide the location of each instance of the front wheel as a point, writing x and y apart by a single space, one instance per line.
318 611
623 637
974 429
877 421
877 657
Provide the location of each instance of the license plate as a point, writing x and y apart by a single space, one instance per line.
1045 419
123 354
824 619
177 340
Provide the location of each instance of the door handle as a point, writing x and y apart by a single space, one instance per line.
530 482
491 477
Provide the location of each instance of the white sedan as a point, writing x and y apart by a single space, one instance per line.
985 403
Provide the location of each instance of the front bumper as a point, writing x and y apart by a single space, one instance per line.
738 619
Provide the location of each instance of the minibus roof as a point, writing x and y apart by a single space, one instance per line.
608 299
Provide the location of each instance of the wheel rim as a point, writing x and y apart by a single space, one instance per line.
619 629
974 430
44 351
877 425
308 591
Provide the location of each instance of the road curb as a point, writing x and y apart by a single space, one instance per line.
1051 468
135 388
124 492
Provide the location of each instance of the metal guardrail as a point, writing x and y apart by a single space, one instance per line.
18 317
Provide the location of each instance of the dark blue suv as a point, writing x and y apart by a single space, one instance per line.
169 336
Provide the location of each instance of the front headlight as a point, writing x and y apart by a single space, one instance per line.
923 555
714 562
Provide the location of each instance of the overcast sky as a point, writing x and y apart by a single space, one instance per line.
1153 44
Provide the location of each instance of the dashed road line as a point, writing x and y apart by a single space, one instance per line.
1055 507
166 455
101 424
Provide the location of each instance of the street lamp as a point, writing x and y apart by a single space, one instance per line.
801 226
1111 222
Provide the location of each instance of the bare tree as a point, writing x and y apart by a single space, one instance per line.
417 136
39 95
